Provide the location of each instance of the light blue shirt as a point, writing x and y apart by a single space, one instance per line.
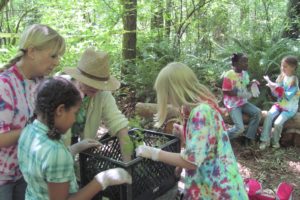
44 160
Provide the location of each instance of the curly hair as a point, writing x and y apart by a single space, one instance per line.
236 57
51 93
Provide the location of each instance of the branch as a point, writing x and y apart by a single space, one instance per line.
190 14
22 16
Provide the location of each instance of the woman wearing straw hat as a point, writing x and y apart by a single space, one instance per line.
96 83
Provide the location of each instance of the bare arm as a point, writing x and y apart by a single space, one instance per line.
175 159
125 144
116 176
60 191
9 138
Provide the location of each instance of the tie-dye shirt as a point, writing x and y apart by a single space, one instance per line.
289 98
237 82
16 107
209 148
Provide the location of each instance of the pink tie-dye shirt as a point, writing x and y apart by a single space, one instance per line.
238 82
16 107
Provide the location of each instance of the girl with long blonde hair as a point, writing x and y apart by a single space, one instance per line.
211 168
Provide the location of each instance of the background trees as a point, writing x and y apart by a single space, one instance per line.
143 36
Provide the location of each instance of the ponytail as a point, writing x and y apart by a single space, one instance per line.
15 59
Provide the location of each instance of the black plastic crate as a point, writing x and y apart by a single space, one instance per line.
150 179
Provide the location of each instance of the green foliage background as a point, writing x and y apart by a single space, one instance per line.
211 34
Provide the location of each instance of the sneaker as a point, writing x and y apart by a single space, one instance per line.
264 145
276 145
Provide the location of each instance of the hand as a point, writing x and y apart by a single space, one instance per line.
178 171
147 152
254 89
267 78
83 145
114 176
177 130
244 94
270 84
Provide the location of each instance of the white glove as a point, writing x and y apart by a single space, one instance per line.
83 145
147 152
244 94
270 83
114 176
254 89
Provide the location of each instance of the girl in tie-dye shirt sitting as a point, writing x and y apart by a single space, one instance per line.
236 95
286 90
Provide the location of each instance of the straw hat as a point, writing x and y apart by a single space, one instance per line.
93 70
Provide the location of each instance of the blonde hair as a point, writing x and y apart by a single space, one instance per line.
292 61
40 37
177 84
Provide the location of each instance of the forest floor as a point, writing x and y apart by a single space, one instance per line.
270 167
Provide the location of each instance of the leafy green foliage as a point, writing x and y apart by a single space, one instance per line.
264 59
209 34
152 57
137 138
7 53
135 122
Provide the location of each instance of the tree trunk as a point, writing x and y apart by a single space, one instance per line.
157 19
3 3
129 35
293 14
168 18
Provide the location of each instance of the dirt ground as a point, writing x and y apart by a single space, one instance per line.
270 167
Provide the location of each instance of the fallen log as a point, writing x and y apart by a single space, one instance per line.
291 130
290 137
149 109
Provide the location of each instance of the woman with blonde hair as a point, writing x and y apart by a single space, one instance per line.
40 49
211 168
